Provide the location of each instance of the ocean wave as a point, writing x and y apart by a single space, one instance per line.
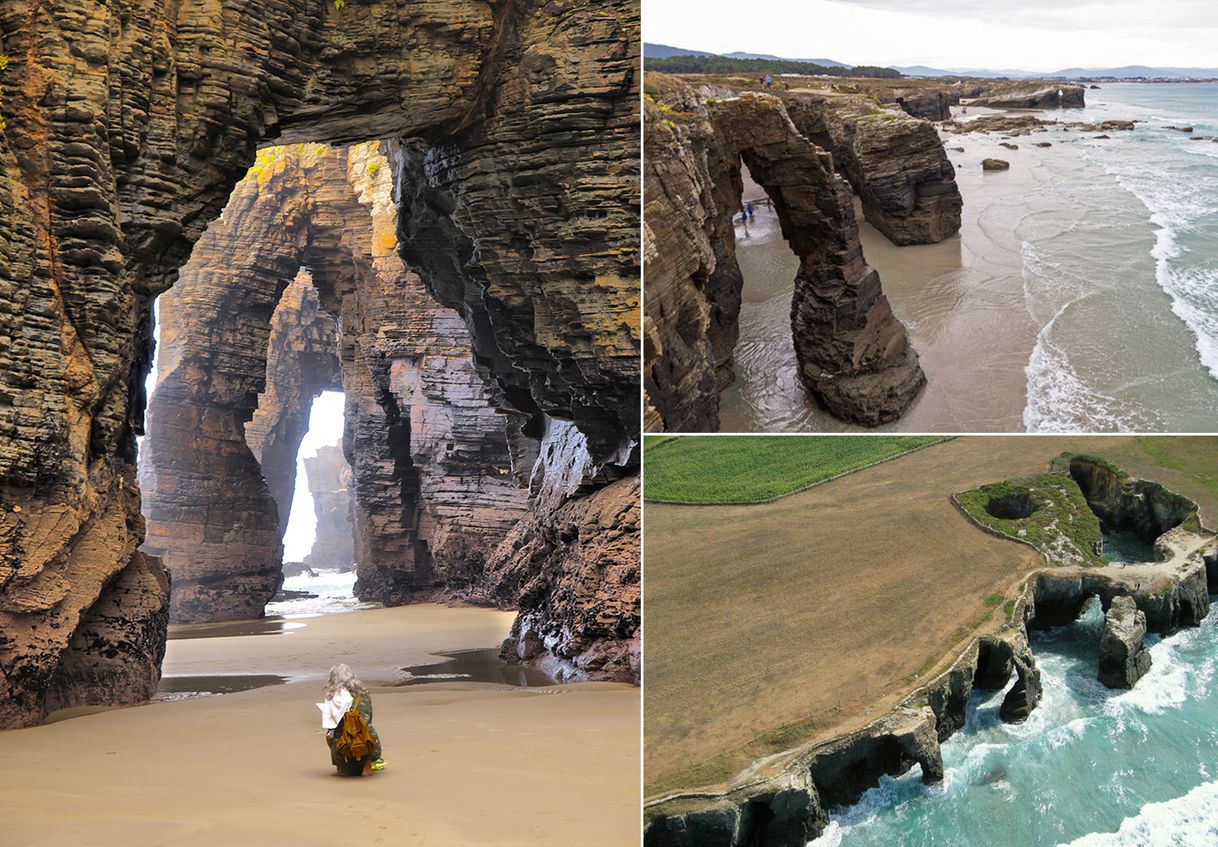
1187 821
1182 200
1058 400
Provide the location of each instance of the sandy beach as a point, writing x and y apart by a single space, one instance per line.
1045 312
467 763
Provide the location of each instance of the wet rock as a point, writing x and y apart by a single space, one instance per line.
106 197
1185 129
995 165
854 355
1123 658
1044 144
846 768
896 164
1026 692
1008 145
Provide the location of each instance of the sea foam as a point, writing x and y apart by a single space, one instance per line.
1187 821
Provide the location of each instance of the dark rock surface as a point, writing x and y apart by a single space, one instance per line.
126 137
1123 658
930 105
1025 96
1124 504
853 353
896 164
995 165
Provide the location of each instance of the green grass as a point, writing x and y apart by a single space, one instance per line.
1062 527
1193 456
748 469
993 600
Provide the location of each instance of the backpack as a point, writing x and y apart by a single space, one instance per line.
354 740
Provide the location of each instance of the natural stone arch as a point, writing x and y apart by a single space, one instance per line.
429 454
854 355
133 122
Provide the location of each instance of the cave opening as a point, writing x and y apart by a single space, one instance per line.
297 344
1133 513
515 199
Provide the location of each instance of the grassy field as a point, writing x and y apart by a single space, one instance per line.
715 469
770 625
1062 521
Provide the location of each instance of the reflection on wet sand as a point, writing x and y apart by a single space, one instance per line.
477 666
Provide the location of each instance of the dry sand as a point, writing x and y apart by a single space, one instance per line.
468 763
825 608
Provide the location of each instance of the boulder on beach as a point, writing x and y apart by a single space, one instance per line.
1044 144
995 165
1009 145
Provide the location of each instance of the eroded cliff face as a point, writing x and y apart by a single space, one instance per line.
896 164
429 453
126 128
330 486
853 353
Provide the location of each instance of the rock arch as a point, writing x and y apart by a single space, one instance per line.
854 355
126 126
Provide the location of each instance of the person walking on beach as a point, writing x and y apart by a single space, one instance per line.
346 716
769 81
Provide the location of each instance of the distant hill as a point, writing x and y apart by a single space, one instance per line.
976 73
826 63
666 51
1125 72
663 51
1133 71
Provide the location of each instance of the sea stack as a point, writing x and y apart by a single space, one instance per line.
1123 658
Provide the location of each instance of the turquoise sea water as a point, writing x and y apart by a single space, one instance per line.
1090 768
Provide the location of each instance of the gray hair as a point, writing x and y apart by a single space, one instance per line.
341 676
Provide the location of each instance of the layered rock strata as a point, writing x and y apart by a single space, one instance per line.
1123 657
125 137
896 164
330 486
301 363
853 353
1023 96
784 799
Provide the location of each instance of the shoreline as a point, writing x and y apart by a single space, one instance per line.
799 784
1016 311
206 770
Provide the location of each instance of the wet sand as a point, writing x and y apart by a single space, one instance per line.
468 763
1043 312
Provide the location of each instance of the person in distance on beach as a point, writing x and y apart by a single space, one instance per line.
346 715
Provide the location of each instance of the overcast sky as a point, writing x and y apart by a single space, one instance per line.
1034 35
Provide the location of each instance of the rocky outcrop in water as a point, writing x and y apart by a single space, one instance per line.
785 801
853 353
1123 658
1025 96
124 140
896 164
330 486
838 771
929 105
